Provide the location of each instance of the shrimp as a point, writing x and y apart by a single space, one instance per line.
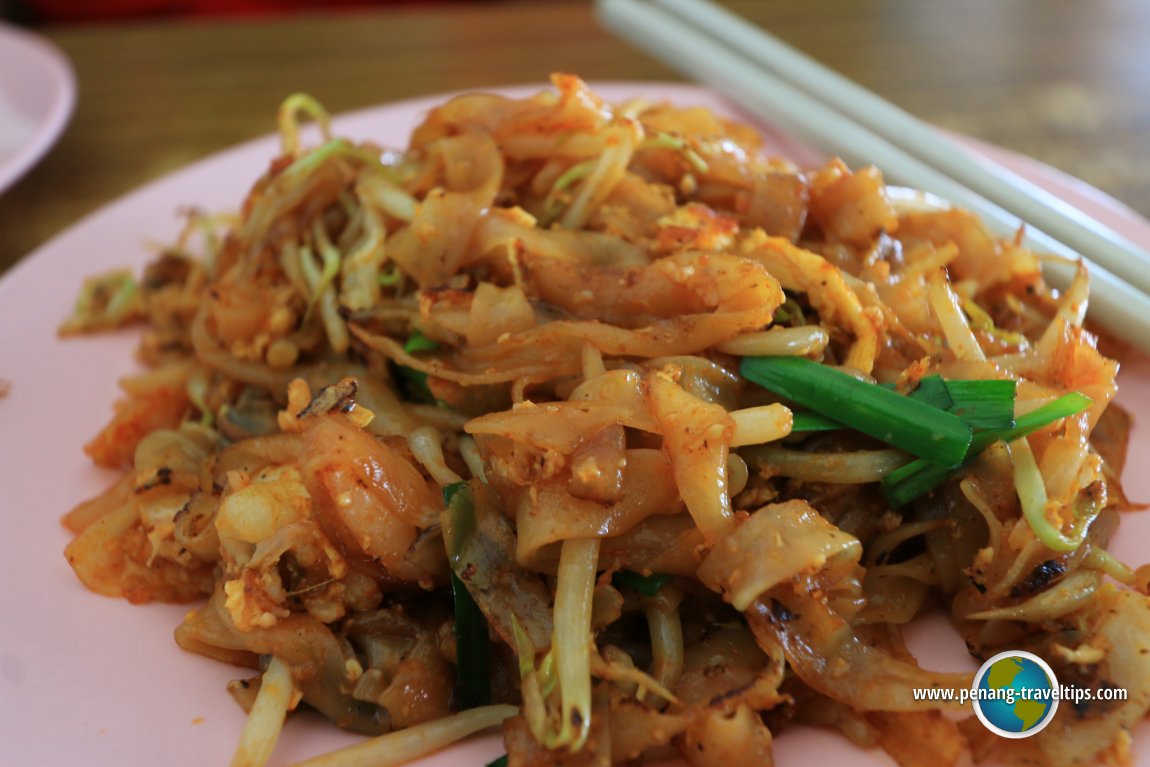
370 500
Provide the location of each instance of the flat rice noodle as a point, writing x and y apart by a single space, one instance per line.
495 311
723 738
435 244
558 426
981 259
484 557
632 210
891 599
737 296
96 508
317 658
1095 733
1072 593
548 117
919 738
211 352
637 728
825 653
157 400
511 231
778 204
549 513
668 544
97 554
772 546
827 289
696 439
1111 437
703 378
687 284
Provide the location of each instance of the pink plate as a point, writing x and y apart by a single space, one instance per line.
37 93
96 681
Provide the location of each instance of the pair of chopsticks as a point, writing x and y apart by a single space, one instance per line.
778 84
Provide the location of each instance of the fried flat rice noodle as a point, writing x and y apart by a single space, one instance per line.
463 425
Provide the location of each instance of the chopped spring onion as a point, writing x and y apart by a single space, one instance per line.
417 342
413 384
647 585
105 301
500 762
902 422
576 172
471 637
980 320
983 404
804 420
663 140
789 312
552 205
919 477
932 390
392 278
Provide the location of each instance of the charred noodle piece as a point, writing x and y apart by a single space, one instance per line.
916 427
824 652
318 659
776 543
481 550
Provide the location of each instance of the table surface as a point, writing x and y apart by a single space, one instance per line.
1064 81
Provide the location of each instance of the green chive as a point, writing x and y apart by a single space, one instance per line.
500 762
905 484
899 421
471 637
449 491
413 385
390 279
804 420
470 649
983 404
932 391
918 477
1063 407
417 342
647 585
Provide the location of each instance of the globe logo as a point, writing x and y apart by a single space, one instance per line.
1015 694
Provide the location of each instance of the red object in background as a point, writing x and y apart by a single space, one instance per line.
63 11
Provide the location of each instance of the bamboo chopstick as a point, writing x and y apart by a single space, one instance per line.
1119 306
1000 185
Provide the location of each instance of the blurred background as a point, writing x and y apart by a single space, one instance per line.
161 83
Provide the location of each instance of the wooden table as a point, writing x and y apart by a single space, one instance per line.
1065 81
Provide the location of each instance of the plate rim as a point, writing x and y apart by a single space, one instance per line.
56 69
